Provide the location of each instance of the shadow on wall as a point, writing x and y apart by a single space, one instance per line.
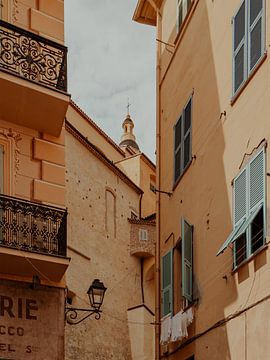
203 189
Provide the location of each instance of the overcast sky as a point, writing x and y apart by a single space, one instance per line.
112 58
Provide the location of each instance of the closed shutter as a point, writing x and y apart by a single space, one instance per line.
240 197
239 47
256 181
187 271
1 169
177 149
255 26
167 276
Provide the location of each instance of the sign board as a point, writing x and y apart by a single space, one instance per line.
31 322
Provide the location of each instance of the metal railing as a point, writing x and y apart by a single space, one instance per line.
29 226
32 57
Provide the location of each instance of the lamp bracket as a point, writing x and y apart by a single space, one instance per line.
75 316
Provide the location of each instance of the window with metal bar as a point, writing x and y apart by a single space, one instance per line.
248 234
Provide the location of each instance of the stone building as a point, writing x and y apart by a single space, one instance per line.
212 254
107 210
33 105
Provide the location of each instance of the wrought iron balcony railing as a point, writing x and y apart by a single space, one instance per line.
32 57
29 226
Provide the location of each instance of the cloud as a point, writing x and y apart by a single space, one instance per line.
111 58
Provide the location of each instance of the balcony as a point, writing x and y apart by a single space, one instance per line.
33 239
142 238
33 80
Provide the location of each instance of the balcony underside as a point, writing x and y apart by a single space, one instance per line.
28 104
28 264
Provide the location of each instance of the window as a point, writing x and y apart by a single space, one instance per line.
249 210
167 283
183 7
143 235
187 268
182 141
248 40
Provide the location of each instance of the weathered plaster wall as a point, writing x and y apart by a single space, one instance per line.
31 322
97 252
95 135
202 66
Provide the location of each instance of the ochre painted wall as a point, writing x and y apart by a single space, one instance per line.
201 66
44 17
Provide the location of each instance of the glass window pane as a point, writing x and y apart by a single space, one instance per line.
180 14
239 69
188 281
239 26
177 165
240 248
257 233
187 117
256 44
255 8
188 242
166 270
177 133
187 151
166 302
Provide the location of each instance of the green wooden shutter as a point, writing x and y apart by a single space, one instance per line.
1 169
239 47
255 33
257 181
187 268
167 282
240 197
187 134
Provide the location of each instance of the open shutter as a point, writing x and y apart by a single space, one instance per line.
177 149
240 197
1 169
187 134
187 271
239 47
255 33
167 275
257 181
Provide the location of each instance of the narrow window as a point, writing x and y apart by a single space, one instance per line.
187 261
183 7
143 235
248 40
182 141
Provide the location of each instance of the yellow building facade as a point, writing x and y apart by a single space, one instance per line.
212 258
33 217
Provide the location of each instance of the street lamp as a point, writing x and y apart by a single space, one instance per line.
96 294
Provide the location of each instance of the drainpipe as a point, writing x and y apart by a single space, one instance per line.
158 143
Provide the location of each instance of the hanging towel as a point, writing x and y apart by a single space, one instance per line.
166 329
177 333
